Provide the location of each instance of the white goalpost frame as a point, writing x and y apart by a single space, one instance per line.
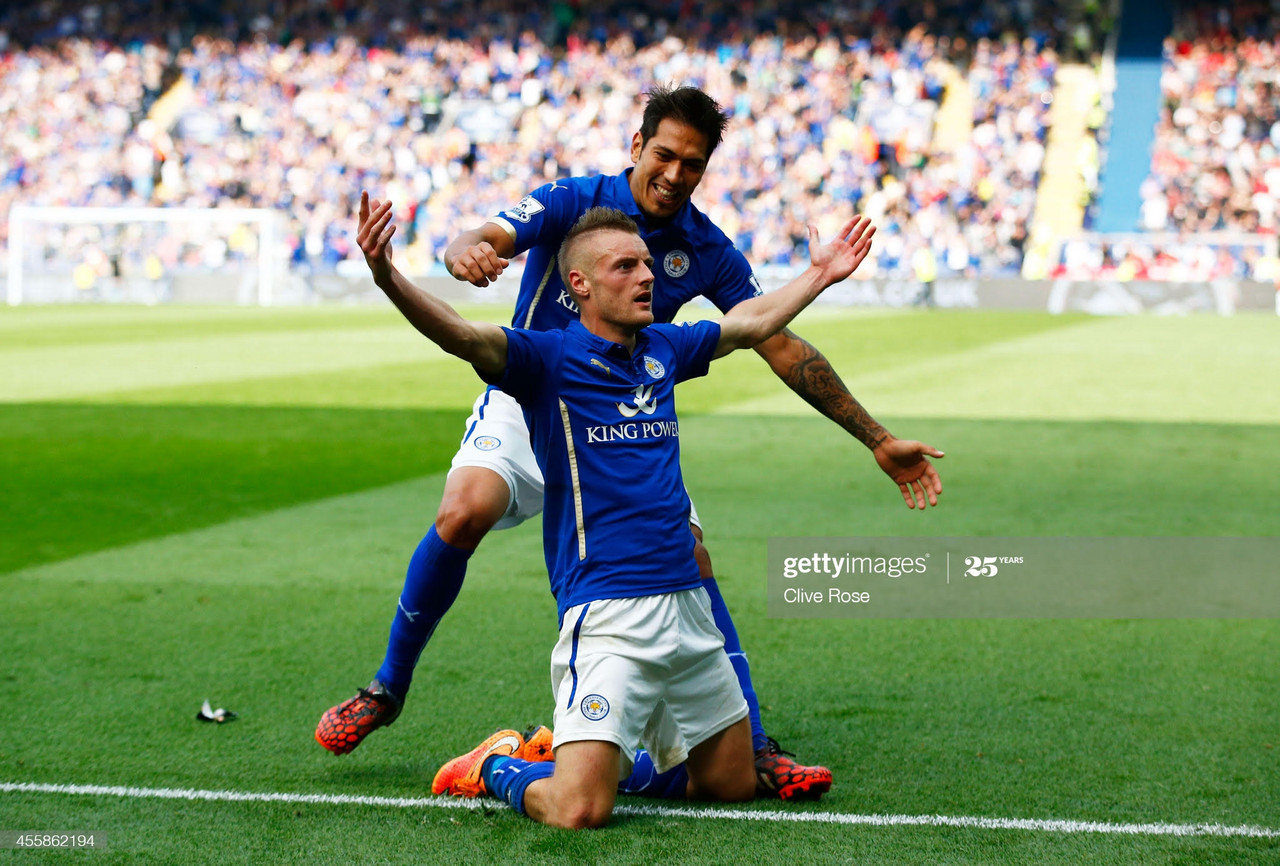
1269 243
20 216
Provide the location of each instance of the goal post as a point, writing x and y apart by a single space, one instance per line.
1165 271
140 254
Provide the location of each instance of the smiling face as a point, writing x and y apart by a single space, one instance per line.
669 167
614 286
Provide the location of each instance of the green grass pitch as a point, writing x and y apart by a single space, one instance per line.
219 503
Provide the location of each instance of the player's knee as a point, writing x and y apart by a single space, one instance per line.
586 815
734 786
740 788
588 819
465 518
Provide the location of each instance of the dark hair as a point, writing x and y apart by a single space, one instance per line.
592 220
689 106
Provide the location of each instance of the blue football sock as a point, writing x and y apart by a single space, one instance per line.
738 659
431 584
646 781
508 778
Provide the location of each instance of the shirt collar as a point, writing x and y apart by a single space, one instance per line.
606 347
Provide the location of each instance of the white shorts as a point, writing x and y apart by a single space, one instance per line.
648 671
497 439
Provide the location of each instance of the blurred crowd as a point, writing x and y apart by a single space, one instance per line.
454 111
1216 160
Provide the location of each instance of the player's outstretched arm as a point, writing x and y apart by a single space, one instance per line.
807 372
482 343
756 320
479 255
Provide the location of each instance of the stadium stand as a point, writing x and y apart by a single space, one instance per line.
932 119
1216 159
1204 174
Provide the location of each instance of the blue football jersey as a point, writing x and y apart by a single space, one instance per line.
603 427
691 256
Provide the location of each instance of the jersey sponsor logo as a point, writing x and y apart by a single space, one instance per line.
631 431
654 367
525 210
756 291
676 263
566 300
594 707
487 443
642 404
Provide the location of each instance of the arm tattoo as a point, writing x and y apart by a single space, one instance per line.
814 379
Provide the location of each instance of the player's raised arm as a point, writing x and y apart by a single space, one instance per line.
482 343
807 372
479 255
756 320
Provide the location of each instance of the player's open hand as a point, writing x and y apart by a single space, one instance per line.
479 264
906 461
842 256
374 235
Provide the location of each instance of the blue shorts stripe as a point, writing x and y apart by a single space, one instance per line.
573 655
480 415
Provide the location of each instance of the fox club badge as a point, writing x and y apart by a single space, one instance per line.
594 707
676 263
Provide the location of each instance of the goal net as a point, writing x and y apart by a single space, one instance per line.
145 255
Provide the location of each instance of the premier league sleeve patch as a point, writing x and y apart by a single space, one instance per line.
525 210
594 707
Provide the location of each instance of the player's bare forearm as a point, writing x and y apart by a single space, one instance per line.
479 255
807 372
810 375
753 321
756 320
481 343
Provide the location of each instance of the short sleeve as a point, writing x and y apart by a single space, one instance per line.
694 344
529 357
734 280
544 216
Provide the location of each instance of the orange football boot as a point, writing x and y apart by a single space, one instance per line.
461 776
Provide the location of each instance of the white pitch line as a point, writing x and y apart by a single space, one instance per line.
962 821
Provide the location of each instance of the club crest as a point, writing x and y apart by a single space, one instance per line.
594 707
676 263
